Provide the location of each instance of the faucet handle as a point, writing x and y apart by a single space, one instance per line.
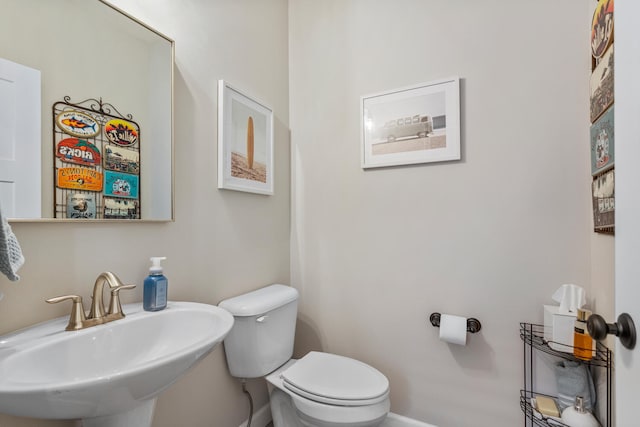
77 317
114 306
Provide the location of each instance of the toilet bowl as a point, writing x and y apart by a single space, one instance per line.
330 390
317 390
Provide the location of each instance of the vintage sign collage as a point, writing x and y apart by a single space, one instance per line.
602 137
96 162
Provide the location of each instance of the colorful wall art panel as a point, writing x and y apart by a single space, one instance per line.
121 185
602 85
602 143
97 166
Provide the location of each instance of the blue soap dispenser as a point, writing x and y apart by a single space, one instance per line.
155 287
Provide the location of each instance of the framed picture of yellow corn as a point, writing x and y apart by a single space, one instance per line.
245 142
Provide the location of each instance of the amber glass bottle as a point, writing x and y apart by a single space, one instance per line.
582 341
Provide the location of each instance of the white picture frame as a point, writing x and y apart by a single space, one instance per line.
245 142
411 125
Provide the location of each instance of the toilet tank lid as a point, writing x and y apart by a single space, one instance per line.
260 301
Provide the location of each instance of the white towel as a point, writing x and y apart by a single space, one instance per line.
574 379
11 258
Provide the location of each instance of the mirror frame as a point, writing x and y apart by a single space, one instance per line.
172 143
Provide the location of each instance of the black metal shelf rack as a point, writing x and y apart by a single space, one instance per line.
532 336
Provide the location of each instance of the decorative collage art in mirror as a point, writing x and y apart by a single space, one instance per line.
96 161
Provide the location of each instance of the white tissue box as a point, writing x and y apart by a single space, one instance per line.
558 328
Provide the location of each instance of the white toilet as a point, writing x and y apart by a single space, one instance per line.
318 390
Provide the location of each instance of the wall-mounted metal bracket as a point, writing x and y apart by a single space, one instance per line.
473 324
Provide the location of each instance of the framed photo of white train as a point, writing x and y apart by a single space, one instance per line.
410 125
245 142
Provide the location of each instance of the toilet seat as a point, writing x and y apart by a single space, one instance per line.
335 380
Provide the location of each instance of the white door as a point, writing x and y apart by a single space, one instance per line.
627 190
20 141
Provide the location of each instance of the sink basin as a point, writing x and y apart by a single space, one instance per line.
107 371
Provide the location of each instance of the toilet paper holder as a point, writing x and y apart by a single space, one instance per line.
473 324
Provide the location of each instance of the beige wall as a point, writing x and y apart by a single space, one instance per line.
373 253
491 236
222 243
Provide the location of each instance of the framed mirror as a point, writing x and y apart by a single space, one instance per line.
90 54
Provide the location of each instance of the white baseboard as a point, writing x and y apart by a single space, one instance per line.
261 417
395 420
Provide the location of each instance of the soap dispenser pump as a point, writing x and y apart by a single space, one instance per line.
578 416
155 287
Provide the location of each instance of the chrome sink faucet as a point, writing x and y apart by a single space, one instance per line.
97 315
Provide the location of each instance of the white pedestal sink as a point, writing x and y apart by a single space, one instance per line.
107 375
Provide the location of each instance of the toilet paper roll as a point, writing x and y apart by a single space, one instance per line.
453 329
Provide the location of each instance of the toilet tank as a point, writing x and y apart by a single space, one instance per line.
261 338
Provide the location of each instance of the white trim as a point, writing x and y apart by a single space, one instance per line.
395 420
261 417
